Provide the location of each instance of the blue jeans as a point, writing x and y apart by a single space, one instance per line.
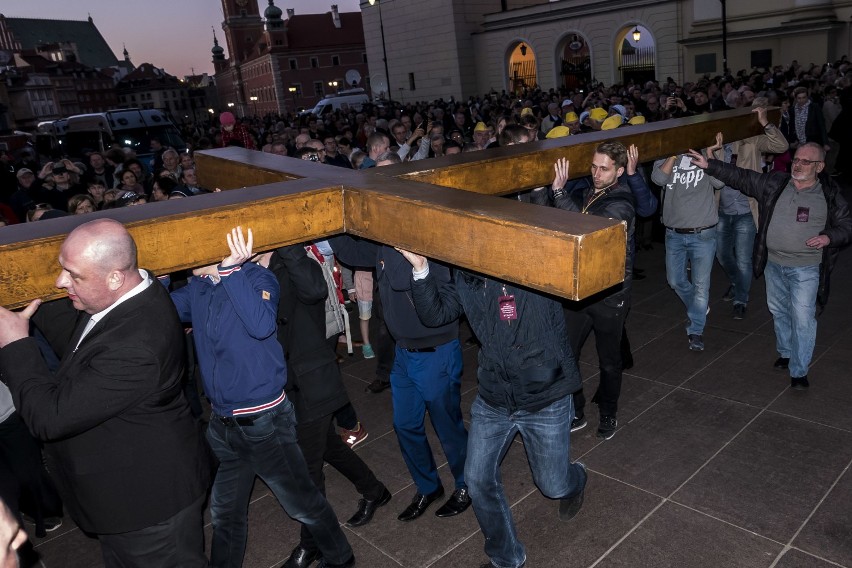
266 449
696 250
734 245
429 381
546 434
791 293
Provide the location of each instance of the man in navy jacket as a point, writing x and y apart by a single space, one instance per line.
233 309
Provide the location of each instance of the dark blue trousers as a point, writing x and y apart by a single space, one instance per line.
430 382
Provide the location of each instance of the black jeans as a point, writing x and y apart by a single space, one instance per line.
606 319
320 443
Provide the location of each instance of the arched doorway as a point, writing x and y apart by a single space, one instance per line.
576 62
636 55
522 74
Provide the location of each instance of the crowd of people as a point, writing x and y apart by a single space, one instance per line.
108 402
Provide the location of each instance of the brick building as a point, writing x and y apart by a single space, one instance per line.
55 68
275 64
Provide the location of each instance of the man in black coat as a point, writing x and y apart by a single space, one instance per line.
526 375
315 388
128 457
602 194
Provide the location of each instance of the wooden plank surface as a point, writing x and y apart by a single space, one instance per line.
500 171
554 251
286 200
175 234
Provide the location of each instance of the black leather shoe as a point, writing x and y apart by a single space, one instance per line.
799 383
570 506
348 564
419 505
458 502
377 386
781 363
302 558
367 508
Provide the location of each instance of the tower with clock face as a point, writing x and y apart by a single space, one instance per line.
242 26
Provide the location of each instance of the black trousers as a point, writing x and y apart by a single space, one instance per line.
25 485
320 443
606 319
177 542
383 342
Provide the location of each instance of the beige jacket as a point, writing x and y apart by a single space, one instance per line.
749 151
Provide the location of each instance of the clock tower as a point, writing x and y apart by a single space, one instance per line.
243 28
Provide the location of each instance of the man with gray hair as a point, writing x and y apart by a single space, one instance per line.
803 222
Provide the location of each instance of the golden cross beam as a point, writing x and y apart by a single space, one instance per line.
415 205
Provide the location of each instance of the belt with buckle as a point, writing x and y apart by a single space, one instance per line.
419 349
236 420
694 231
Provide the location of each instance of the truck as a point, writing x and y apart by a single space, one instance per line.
129 128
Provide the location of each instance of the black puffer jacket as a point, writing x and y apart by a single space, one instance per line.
524 363
766 188
615 203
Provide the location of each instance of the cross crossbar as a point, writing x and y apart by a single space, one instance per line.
287 201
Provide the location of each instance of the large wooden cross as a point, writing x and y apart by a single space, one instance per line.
415 205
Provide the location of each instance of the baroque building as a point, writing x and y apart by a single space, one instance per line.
277 64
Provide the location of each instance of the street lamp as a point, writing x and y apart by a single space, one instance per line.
333 84
384 47
293 94
253 99
637 35
230 105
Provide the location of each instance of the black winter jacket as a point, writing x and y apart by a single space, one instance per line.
766 188
617 203
524 363
314 384
393 279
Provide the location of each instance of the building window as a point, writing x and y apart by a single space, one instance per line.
279 42
411 86
335 60
364 57
293 65
314 62
761 58
318 88
705 63
298 89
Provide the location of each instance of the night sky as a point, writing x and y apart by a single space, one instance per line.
173 34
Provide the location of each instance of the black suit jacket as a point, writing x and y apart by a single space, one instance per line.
119 436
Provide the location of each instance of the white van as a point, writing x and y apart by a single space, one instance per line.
132 128
352 99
